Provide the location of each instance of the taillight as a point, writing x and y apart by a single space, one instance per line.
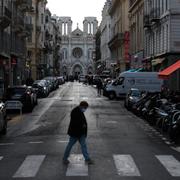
28 93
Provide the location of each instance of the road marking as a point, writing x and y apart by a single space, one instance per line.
6 144
77 166
85 98
36 142
1 157
125 165
30 166
111 122
62 141
170 163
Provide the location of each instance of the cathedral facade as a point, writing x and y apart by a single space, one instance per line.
77 47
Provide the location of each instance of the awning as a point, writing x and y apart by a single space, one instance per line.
169 70
157 61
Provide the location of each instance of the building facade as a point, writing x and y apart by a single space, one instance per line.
14 29
162 36
36 41
136 29
77 47
119 35
105 25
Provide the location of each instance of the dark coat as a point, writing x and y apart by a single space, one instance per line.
78 123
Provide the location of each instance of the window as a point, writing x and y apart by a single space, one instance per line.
29 39
64 53
42 19
89 53
77 52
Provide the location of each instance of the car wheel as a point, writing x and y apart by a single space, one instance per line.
36 102
112 95
30 107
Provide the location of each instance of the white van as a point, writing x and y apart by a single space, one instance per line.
144 81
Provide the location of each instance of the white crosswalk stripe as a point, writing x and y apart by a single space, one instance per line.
171 164
77 166
30 166
125 165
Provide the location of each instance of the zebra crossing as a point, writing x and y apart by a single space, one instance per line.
124 163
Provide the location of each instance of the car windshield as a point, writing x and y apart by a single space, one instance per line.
135 93
16 91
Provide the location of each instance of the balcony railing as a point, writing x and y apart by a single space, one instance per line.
147 22
38 28
5 17
20 2
155 15
116 40
18 23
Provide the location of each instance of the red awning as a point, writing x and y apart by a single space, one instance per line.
169 70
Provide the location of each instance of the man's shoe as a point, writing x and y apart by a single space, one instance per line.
66 162
89 161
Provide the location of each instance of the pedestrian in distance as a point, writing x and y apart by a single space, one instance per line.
78 132
99 85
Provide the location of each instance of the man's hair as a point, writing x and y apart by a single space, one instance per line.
83 104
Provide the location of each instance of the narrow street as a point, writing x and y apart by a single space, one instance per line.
122 145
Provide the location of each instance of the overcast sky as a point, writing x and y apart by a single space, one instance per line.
77 9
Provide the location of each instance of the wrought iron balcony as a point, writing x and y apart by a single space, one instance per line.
147 23
18 23
116 40
27 6
155 15
20 2
5 17
38 28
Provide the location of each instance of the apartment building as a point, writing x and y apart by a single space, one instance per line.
119 34
105 25
52 44
14 29
136 26
162 36
36 41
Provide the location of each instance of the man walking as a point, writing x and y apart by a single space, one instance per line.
99 86
78 132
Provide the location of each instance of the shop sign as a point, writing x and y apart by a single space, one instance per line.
126 47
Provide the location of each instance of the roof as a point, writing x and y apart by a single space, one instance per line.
169 70
77 32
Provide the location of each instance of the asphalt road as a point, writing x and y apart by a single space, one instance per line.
123 146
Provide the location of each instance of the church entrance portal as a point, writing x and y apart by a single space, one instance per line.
77 71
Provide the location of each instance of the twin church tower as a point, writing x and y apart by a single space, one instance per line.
77 46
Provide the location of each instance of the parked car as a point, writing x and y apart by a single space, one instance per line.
25 94
53 82
3 119
40 87
132 97
61 80
144 81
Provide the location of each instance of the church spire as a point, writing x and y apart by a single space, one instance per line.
77 25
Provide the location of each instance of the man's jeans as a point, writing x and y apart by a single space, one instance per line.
72 141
